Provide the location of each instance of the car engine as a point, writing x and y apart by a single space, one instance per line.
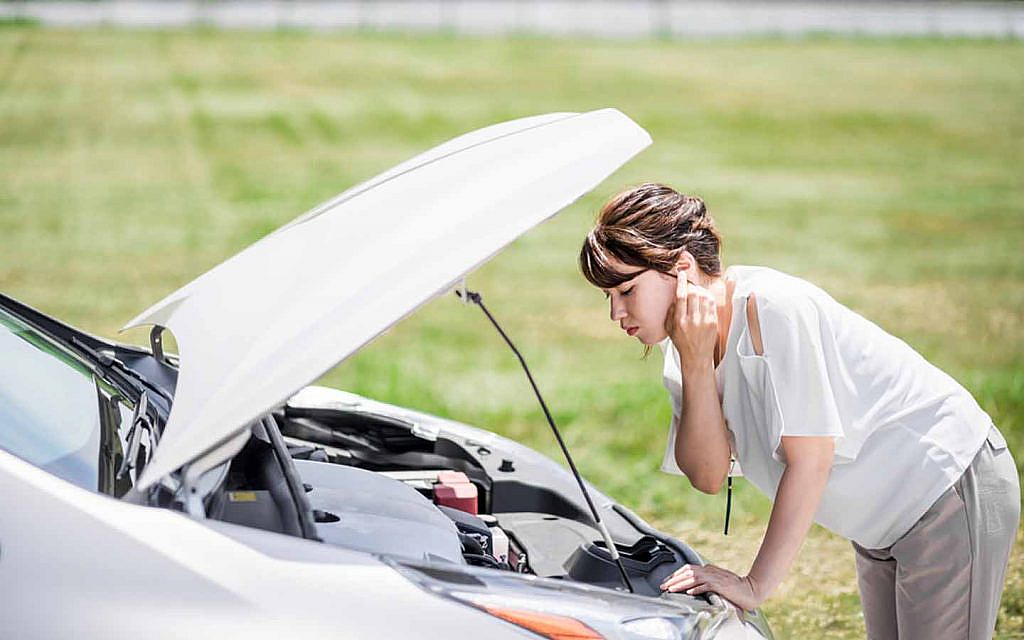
415 486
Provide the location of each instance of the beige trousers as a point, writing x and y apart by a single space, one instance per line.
944 577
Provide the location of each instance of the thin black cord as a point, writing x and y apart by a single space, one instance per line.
728 504
475 298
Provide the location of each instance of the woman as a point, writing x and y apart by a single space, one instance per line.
829 416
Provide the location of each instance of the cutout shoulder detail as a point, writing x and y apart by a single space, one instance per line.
754 325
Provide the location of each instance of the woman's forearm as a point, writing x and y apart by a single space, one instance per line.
702 446
796 501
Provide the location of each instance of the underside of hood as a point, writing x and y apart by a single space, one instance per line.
266 322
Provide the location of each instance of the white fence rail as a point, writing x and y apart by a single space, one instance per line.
593 18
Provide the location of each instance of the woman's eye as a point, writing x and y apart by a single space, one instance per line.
623 293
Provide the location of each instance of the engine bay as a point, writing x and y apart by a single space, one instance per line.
377 482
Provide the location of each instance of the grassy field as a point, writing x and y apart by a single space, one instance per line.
887 171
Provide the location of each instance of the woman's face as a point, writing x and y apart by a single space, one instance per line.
639 305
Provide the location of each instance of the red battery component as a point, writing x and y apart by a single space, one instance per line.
453 489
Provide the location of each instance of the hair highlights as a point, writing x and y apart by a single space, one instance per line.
648 227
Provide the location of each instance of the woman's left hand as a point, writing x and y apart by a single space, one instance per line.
694 579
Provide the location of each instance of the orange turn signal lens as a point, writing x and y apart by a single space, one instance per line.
545 624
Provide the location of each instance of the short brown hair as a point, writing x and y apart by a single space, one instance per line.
649 226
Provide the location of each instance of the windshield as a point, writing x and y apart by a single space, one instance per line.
55 413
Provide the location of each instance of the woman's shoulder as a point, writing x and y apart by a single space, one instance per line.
769 284
778 295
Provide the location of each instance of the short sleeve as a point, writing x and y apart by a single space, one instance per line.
671 378
800 398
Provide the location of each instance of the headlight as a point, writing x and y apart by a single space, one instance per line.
653 628
747 626
560 620
567 610
547 625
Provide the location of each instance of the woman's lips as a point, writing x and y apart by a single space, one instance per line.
632 330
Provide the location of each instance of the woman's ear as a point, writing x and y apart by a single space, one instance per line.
686 265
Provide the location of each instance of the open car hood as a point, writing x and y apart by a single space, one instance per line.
268 321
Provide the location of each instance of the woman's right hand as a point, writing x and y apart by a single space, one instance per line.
692 324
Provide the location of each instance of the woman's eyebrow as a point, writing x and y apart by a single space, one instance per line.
629 279
630 276
627 276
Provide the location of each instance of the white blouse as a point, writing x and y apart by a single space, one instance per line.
904 430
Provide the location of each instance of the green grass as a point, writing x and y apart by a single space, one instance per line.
888 171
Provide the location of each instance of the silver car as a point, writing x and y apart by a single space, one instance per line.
216 493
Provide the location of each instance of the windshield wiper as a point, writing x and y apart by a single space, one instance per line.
110 363
466 295
140 421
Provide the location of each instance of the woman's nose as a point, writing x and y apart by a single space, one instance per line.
618 311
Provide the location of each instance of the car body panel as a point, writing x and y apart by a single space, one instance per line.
83 565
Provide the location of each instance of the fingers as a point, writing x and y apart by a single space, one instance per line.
692 320
699 589
689 584
695 580
685 578
700 306
682 292
694 306
709 310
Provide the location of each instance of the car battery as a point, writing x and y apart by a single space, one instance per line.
453 489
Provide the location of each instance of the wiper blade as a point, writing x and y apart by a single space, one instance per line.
471 296
108 362
140 421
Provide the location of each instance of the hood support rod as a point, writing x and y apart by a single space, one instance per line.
156 343
466 295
